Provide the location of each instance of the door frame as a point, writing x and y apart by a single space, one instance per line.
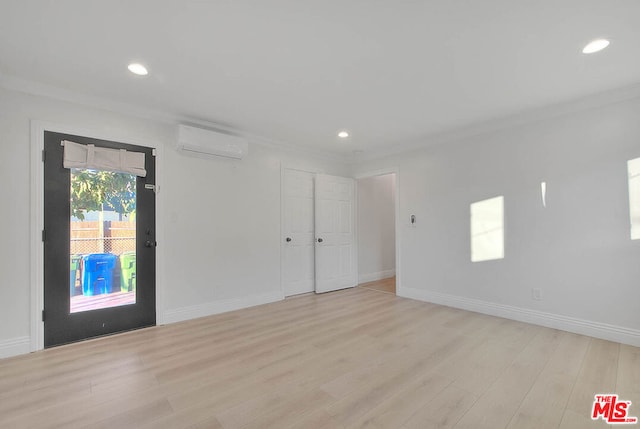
36 246
398 223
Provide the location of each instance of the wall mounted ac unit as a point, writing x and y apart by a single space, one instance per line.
205 142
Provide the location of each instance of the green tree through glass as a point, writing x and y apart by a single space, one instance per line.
94 190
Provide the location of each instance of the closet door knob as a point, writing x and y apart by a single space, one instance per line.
288 239
320 240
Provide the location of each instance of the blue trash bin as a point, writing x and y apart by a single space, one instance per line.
98 273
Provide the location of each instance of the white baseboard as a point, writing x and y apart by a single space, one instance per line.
21 345
371 277
604 331
217 307
14 347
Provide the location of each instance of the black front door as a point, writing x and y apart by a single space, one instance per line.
99 246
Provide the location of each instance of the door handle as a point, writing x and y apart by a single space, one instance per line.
320 240
150 243
288 239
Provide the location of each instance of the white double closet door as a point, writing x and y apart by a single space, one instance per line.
318 232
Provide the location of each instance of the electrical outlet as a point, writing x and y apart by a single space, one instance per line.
536 294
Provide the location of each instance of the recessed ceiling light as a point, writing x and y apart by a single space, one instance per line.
138 69
343 134
595 46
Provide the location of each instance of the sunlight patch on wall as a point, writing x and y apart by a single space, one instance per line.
487 229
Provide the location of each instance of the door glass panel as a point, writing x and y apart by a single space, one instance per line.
103 240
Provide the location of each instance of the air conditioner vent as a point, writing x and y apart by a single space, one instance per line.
206 142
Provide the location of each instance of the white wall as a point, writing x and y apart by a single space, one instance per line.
577 250
221 217
376 228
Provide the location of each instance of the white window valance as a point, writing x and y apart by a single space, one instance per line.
89 156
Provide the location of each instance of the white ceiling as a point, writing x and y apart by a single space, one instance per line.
294 71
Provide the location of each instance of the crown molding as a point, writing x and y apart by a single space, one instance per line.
525 117
30 87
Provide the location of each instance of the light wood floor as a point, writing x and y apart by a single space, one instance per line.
384 285
352 358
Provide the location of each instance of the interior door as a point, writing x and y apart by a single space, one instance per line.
99 246
335 254
297 230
